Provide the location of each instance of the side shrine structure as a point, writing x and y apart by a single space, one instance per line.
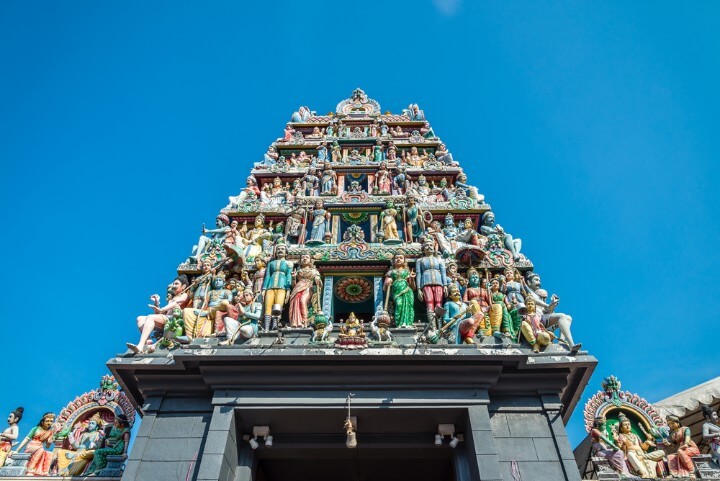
356 313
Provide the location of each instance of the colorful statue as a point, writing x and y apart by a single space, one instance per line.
603 447
550 318
497 235
243 318
500 320
39 438
415 221
336 152
249 194
380 326
305 278
474 293
383 181
399 284
533 329
391 151
72 462
216 237
455 310
278 280
378 151
388 221
257 237
288 134
710 432
207 318
8 437
322 152
431 280
643 462
271 156
116 443
414 112
680 464
427 132
512 287
147 324
328 182
322 327
302 114
442 155
295 227
311 184
467 234
320 223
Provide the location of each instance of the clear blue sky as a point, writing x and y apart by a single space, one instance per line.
591 127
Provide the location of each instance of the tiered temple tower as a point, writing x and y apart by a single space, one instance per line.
355 314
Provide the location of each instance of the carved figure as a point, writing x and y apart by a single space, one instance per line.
710 431
414 112
305 278
288 134
378 151
500 319
116 443
302 114
294 227
533 329
329 182
271 156
603 447
320 223
681 464
497 235
415 220
10 434
39 438
323 326
146 324
431 280
644 463
249 194
72 462
380 326
216 236
442 155
512 287
391 151
242 320
257 237
550 318
322 152
388 220
455 310
278 280
383 181
336 152
399 283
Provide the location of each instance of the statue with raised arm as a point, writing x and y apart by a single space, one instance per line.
243 317
72 462
249 194
212 237
496 235
178 299
603 447
551 319
39 437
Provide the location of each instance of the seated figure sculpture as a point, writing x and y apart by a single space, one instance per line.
550 318
496 235
211 237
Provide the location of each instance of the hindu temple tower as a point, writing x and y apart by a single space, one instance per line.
381 325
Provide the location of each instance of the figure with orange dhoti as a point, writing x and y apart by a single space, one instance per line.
431 280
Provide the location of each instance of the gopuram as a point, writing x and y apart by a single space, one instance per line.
356 313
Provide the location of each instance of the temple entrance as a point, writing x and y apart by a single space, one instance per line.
360 465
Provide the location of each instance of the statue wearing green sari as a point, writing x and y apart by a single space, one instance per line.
399 283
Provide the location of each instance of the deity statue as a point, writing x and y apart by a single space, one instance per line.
322 152
398 132
374 129
249 194
257 237
427 132
469 190
415 223
710 432
380 326
207 318
454 277
10 434
215 238
336 152
39 438
533 328
644 463
401 181
316 133
550 318
378 151
442 155
302 158
414 158
355 158
414 112
512 287
322 326
288 134
467 234
320 223
431 280
501 321
435 232
355 187
328 182
294 227
391 151
311 183
450 231
278 280
72 462
277 194
603 447
680 463
497 235
399 283
271 156
383 129
383 181
305 278
259 275
147 324
351 333
388 220
302 114
116 443
243 317
475 293
455 311
422 189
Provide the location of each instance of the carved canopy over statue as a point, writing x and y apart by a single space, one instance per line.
358 104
